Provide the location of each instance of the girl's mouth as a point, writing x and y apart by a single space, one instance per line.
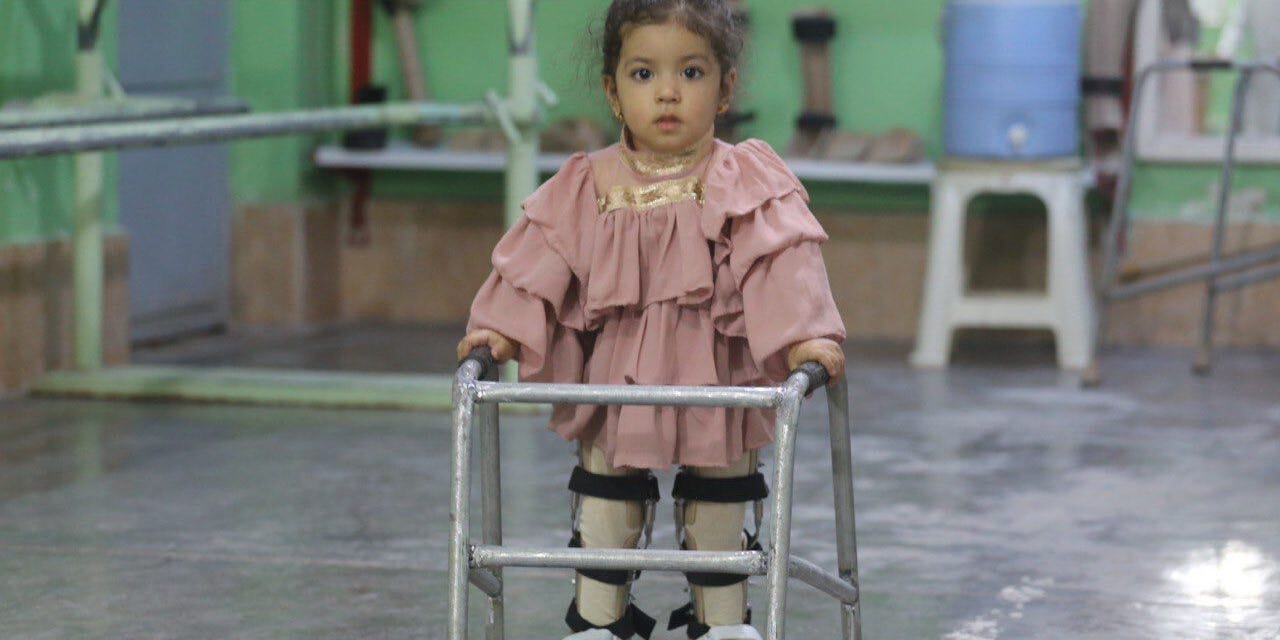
667 123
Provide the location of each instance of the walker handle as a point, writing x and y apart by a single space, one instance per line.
483 356
817 374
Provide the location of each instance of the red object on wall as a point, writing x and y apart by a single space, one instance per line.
360 37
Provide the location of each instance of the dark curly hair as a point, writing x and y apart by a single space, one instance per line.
711 19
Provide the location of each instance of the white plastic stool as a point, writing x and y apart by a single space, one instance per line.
1066 305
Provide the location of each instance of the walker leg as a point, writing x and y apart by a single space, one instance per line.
460 490
1204 351
780 526
491 501
842 476
1116 227
851 621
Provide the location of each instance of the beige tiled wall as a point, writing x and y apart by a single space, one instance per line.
36 315
423 261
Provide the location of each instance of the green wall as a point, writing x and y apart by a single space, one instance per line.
887 58
291 54
283 56
37 60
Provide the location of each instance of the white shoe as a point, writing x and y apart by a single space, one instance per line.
732 632
595 634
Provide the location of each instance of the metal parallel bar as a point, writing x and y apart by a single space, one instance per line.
86 233
824 581
487 581
121 110
154 133
491 505
676 396
1238 262
788 416
522 150
749 562
842 488
1242 280
460 494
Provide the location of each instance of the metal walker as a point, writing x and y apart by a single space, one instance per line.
475 405
1221 273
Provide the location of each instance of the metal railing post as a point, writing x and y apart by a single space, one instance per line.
86 236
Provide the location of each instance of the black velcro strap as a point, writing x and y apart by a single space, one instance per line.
707 579
700 579
633 622
740 489
615 577
1102 85
634 488
812 121
685 616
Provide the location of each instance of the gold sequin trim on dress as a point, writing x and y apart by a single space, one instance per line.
664 165
653 195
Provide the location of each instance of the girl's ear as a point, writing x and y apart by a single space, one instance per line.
610 91
728 84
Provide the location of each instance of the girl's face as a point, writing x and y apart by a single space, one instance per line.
668 86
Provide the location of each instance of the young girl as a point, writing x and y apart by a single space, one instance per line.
667 258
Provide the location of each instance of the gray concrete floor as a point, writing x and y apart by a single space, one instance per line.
994 501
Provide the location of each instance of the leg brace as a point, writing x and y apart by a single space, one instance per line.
610 509
710 505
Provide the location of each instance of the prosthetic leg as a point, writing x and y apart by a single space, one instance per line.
817 122
610 509
709 509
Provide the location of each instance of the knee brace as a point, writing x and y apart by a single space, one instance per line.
708 516
630 510
610 512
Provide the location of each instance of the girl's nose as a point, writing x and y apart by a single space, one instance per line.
668 93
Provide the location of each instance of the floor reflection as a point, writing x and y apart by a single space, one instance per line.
1233 576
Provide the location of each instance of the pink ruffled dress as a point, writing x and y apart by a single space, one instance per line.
628 270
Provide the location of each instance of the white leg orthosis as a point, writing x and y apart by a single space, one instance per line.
611 509
710 505
614 509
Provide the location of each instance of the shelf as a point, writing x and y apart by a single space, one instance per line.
830 171
404 157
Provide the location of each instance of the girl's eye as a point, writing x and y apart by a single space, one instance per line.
642 74
693 73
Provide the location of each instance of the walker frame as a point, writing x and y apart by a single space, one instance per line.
1221 272
476 397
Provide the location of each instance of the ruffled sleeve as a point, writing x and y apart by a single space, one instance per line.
532 294
771 283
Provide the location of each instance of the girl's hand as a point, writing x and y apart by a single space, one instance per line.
821 350
502 347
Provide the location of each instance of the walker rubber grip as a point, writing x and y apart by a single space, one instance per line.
818 376
483 356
